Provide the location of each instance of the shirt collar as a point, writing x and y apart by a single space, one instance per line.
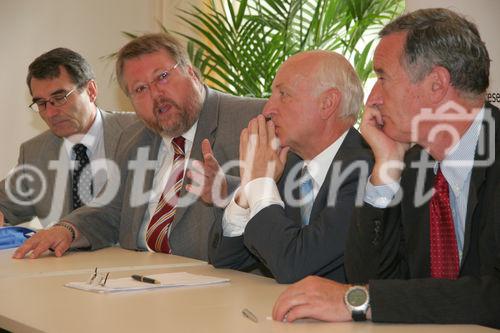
319 165
457 165
188 136
90 139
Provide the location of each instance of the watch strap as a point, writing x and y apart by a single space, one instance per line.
358 315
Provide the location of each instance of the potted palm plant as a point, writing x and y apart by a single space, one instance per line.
239 44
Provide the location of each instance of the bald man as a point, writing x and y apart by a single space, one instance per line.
291 214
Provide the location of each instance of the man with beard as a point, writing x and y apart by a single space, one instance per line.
151 209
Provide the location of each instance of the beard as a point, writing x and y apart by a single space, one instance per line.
172 119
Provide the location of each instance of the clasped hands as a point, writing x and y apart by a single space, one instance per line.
260 156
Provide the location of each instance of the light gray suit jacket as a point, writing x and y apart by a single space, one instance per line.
221 120
38 152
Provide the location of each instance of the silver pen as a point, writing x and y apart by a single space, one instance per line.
247 313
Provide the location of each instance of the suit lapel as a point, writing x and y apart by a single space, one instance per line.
206 129
478 176
111 131
293 162
54 151
352 140
152 140
415 231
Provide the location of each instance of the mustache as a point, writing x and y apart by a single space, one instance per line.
162 101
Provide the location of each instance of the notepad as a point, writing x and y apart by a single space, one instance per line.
167 280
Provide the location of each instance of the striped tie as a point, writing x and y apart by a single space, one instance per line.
157 233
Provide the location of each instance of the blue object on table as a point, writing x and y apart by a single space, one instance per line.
14 236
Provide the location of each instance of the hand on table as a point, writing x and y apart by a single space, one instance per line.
56 238
312 297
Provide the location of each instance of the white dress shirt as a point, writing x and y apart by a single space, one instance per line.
263 192
94 141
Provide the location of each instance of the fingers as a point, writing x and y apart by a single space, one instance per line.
243 143
35 246
289 299
27 246
211 162
262 130
62 247
206 149
57 238
2 219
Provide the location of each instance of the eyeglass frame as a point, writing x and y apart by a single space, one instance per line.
157 80
97 278
54 101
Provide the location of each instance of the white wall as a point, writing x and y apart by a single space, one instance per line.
484 13
93 28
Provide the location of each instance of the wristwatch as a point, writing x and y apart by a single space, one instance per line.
357 301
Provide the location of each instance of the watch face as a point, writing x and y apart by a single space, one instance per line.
356 297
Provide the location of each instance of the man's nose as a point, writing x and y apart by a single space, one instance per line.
269 108
51 110
375 97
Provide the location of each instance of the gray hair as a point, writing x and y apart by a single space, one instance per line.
336 71
147 44
47 66
441 37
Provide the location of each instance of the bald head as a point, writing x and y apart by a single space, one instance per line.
323 70
316 96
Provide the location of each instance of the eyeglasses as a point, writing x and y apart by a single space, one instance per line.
98 278
142 89
40 105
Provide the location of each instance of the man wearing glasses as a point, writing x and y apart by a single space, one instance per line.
57 170
184 119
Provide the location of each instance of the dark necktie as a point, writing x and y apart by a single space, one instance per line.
82 177
157 232
444 251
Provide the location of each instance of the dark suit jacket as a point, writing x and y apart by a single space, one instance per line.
221 120
390 248
275 237
38 152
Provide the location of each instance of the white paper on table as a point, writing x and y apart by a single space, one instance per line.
167 280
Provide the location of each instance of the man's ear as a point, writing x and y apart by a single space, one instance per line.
92 90
439 82
329 102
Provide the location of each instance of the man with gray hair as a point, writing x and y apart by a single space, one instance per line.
183 120
45 184
292 211
425 246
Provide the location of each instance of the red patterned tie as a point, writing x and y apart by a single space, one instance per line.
157 233
444 251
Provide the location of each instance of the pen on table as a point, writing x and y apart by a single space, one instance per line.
142 278
247 313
